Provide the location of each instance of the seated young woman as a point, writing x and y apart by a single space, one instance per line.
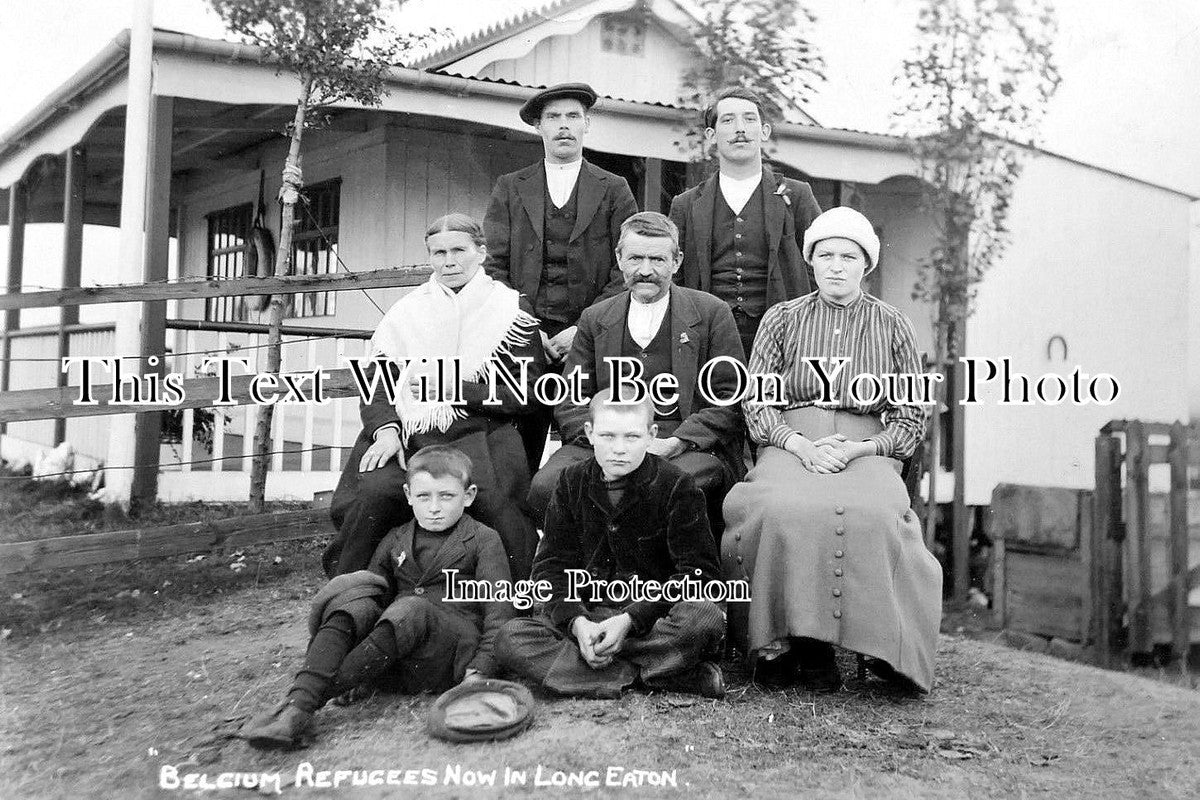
821 526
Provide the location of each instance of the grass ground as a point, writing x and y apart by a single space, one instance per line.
98 694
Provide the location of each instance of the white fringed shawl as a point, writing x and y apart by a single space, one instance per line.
483 320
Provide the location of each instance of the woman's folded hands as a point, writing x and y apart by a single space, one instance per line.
829 454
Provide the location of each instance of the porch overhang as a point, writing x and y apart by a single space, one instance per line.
229 98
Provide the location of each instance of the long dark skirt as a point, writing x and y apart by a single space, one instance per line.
839 558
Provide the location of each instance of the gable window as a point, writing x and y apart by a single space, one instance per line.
623 34
314 246
228 249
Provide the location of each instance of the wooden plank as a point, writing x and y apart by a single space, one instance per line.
999 584
198 289
18 207
30 404
192 537
1178 513
1043 595
1039 515
1137 483
1147 428
1104 572
960 515
152 333
75 170
1087 603
652 199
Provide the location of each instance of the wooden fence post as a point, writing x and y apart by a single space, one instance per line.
75 170
18 196
1179 583
1104 571
1137 487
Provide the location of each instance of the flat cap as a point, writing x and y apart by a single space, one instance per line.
481 711
531 112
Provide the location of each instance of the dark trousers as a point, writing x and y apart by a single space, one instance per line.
707 470
535 426
417 638
537 650
747 329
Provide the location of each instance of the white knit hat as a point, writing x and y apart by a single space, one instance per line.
843 223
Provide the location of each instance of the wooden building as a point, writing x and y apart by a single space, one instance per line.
1072 289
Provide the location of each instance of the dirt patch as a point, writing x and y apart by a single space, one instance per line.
99 710
110 674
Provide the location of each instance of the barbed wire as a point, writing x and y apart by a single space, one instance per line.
336 254
104 468
237 349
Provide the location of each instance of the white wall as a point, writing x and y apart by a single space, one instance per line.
646 78
395 181
1103 262
906 238
1194 319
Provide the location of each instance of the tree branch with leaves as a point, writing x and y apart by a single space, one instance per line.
339 51
977 87
761 45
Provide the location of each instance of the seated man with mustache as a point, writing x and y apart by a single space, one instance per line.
668 329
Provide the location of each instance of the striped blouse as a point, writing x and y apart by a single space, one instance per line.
876 338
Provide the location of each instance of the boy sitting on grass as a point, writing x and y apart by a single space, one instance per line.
393 614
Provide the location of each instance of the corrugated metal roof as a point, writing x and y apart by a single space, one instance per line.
463 44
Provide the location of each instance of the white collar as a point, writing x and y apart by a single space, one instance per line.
571 167
644 319
740 183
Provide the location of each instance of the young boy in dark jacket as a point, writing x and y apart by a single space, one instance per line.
394 614
621 516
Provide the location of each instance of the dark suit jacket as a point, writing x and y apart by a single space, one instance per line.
514 228
473 549
659 530
702 328
788 275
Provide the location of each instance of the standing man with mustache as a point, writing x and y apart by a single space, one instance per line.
667 329
552 230
742 230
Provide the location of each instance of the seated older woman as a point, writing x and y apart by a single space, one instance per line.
459 315
821 527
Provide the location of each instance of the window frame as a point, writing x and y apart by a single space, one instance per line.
316 235
236 308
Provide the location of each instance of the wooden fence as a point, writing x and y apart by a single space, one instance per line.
1123 574
58 403
1104 574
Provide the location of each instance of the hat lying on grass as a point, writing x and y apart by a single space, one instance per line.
481 711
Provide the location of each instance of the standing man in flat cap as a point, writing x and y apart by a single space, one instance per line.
742 230
552 231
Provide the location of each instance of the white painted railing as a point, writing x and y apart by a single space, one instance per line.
211 458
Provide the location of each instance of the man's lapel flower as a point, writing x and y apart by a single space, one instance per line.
781 191
683 338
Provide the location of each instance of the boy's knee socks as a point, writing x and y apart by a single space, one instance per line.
371 658
326 651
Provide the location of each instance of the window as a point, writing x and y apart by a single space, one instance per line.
625 35
314 246
228 248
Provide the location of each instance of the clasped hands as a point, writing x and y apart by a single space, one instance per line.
599 642
829 454
558 345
